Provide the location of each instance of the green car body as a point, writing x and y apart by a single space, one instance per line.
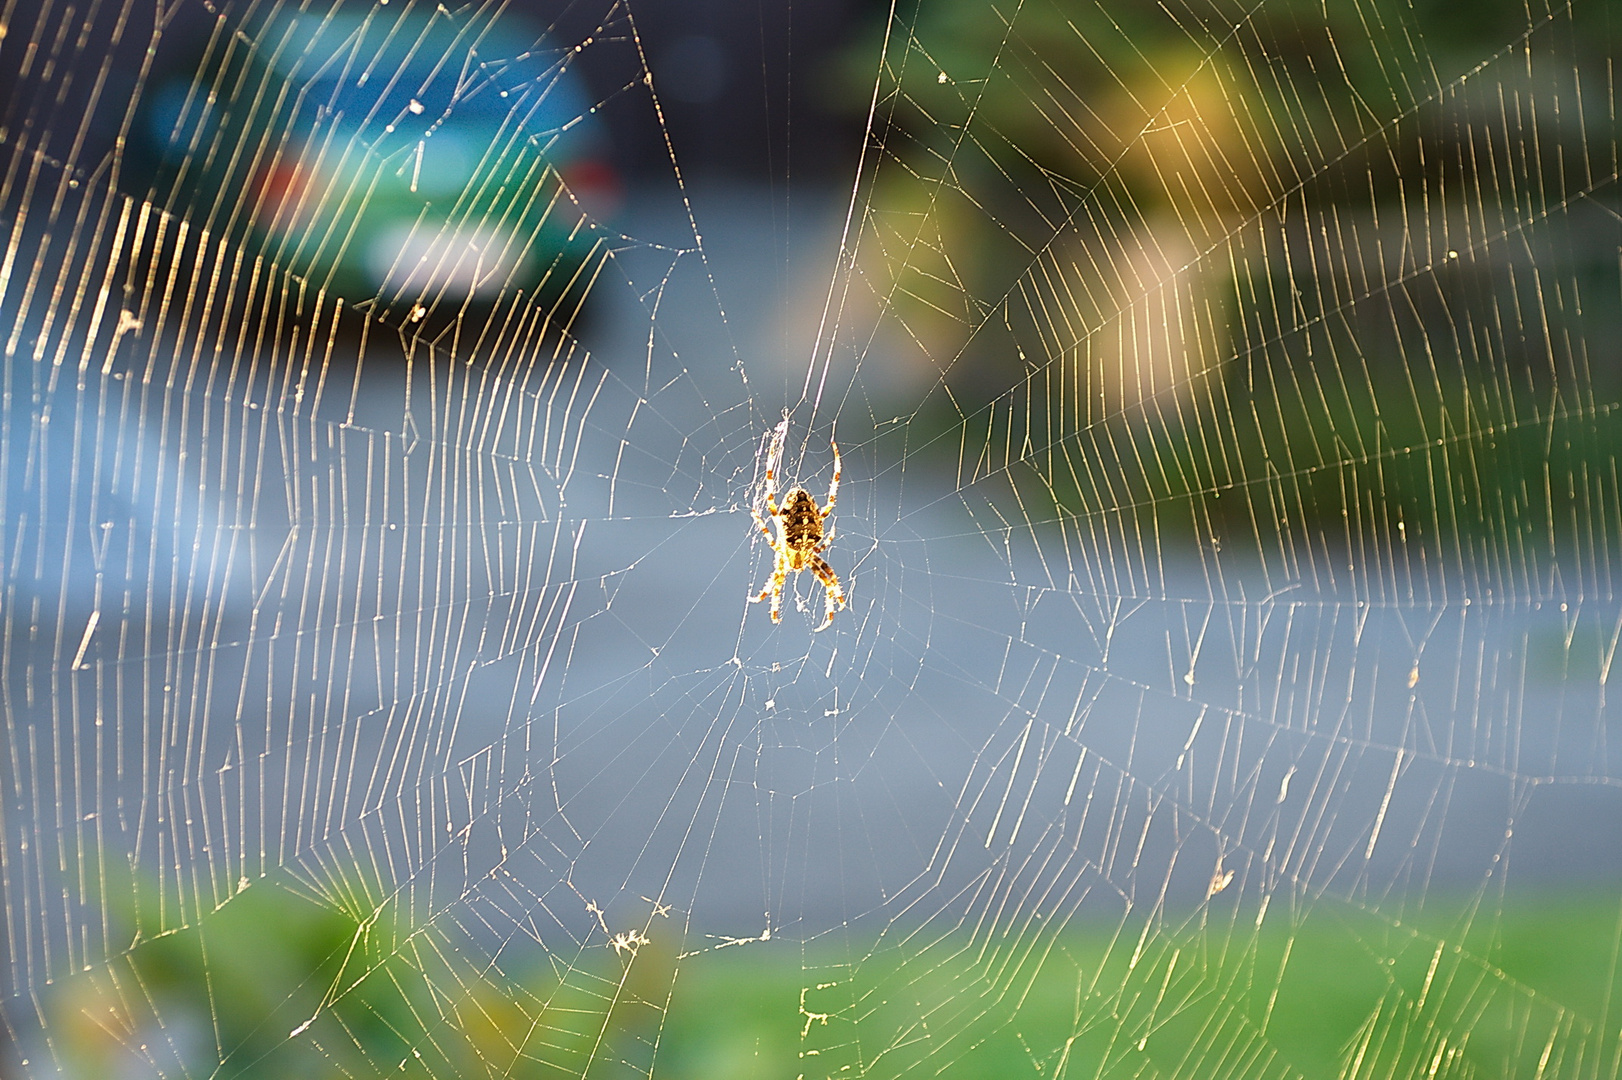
400 155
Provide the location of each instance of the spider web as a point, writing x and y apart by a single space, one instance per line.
1227 397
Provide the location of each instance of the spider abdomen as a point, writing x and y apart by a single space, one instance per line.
801 525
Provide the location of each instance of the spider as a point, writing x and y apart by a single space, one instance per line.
800 538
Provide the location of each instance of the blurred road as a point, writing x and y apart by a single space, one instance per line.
1008 714
492 644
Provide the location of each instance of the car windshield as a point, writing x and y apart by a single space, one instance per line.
408 78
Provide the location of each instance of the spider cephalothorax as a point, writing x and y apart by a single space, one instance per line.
800 539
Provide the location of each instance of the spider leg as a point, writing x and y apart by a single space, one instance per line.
770 509
833 485
774 588
830 583
772 458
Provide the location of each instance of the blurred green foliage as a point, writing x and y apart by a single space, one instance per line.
1257 274
277 984
280 983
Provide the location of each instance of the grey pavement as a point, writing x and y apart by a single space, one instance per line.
487 641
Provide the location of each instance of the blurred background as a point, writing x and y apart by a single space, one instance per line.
1227 399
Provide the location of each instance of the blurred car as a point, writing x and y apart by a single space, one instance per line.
398 153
